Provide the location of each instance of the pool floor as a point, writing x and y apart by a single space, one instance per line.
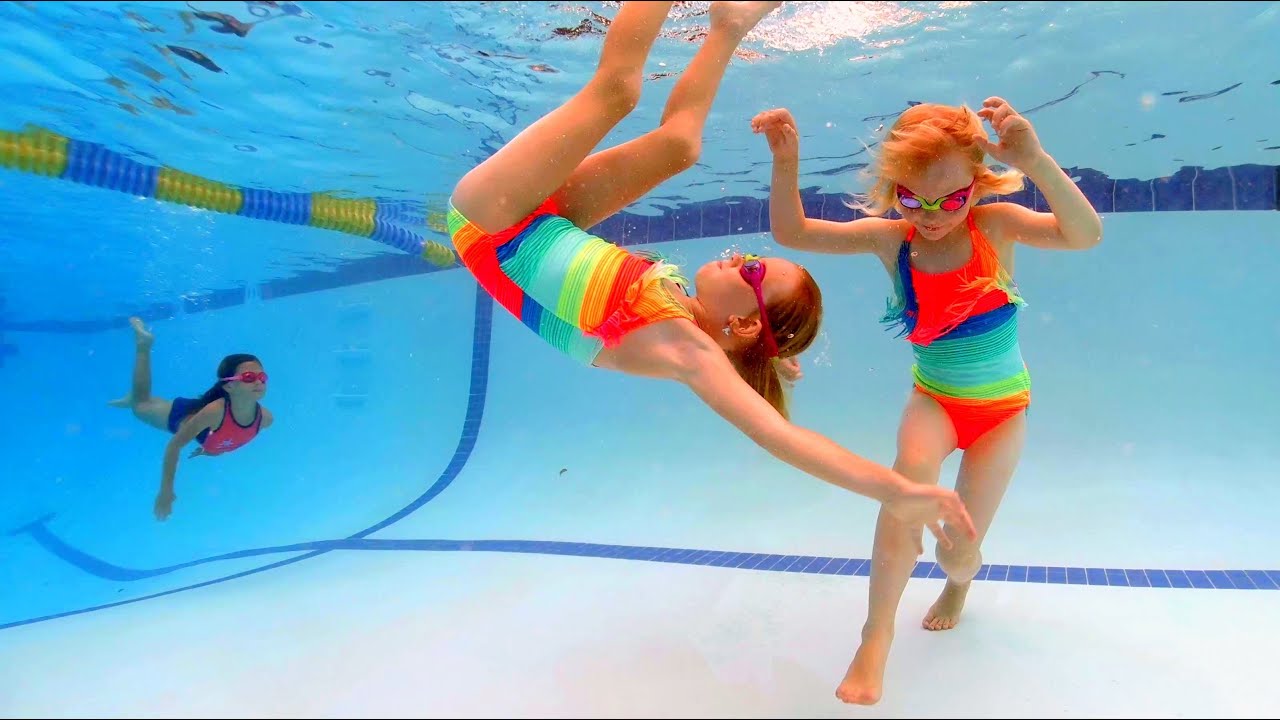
427 634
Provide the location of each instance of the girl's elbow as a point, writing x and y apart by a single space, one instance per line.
787 237
1088 237
1093 239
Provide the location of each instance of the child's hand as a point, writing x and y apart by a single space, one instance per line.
779 129
789 369
919 504
1019 147
164 505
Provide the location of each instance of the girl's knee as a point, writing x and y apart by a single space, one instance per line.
618 93
682 145
961 562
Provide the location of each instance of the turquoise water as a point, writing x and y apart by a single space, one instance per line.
407 409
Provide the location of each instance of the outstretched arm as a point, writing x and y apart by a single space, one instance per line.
787 220
709 373
187 431
1073 224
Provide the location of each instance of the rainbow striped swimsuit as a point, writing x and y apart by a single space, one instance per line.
963 328
579 293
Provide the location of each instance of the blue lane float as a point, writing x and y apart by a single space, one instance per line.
42 152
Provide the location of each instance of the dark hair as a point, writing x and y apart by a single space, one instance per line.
226 368
796 321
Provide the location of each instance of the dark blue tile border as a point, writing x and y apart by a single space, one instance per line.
1257 186
771 562
476 397
1240 187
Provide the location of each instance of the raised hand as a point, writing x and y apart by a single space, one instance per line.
1018 147
779 128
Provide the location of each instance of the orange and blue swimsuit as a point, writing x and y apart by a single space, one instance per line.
579 293
963 329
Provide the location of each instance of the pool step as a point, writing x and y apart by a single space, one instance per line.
353 359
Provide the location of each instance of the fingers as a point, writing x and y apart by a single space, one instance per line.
782 138
776 115
959 517
999 115
997 111
990 106
777 139
790 373
943 540
768 118
763 120
982 142
1012 123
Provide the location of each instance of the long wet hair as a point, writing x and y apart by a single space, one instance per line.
226 368
795 322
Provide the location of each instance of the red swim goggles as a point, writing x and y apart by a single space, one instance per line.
949 203
752 270
247 377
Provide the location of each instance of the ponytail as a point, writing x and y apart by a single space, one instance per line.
762 376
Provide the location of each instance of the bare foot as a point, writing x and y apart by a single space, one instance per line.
141 335
143 339
740 17
864 680
945 612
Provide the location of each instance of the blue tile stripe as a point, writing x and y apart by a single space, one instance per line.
1239 187
771 562
480 343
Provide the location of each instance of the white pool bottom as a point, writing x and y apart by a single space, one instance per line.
407 634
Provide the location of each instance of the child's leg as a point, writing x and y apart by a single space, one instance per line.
507 187
925 439
151 410
610 180
985 472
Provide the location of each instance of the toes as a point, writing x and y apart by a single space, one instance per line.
936 622
939 623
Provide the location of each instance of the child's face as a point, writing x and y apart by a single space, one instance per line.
254 390
943 192
726 295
